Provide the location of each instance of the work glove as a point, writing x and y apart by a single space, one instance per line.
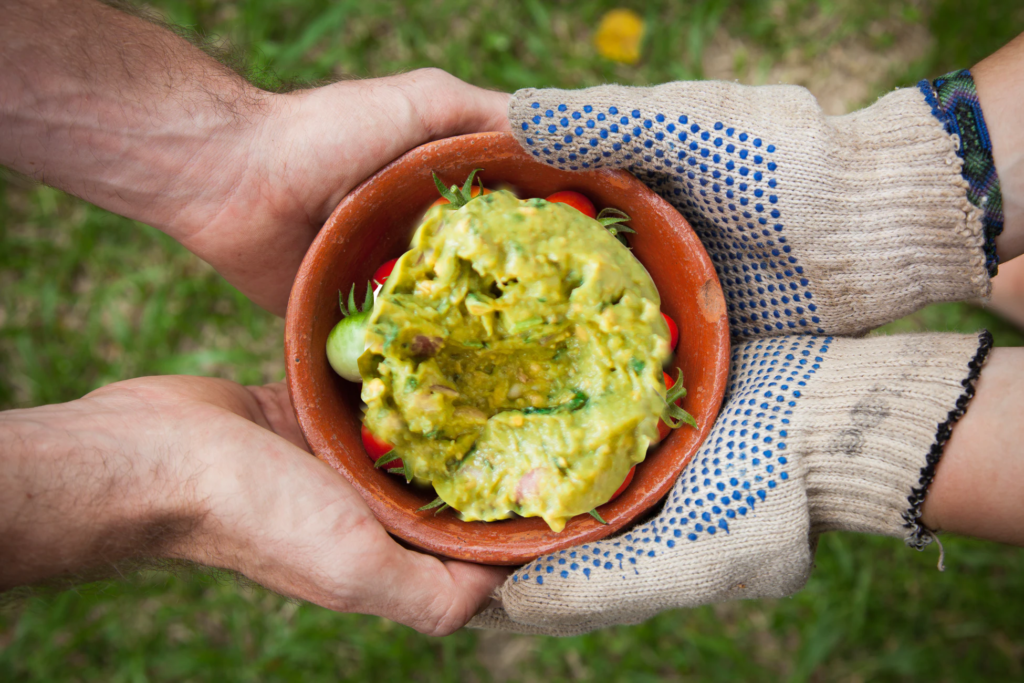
815 224
815 434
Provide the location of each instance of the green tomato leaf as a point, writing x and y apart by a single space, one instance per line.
390 456
368 299
467 187
437 502
352 310
677 391
445 192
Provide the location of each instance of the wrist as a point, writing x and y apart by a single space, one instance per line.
252 191
999 80
157 125
976 491
210 175
77 495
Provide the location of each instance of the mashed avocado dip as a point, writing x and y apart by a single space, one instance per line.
514 359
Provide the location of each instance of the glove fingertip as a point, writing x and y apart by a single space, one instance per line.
519 104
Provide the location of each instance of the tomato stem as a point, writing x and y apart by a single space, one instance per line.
456 196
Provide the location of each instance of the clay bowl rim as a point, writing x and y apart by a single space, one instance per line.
528 538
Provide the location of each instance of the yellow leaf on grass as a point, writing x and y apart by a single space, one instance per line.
619 36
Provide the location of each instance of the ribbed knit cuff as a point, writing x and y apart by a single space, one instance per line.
954 101
875 425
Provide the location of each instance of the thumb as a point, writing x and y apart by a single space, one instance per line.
448 106
379 120
594 127
434 597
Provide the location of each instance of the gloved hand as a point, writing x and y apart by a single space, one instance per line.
828 225
816 434
816 224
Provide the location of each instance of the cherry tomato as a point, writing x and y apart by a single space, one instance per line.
575 200
473 193
673 330
381 276
376 448
626 483
663 429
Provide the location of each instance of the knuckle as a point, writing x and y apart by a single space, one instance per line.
445 613
433 73
447 620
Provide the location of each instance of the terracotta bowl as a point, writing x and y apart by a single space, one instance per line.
374 223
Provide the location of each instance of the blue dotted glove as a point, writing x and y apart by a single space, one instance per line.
817 433
822 225
816 224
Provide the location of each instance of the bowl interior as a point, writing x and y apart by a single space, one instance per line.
374 223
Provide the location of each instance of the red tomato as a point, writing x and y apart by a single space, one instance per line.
627 482
376 448
673 331
472 193
663 429
381 276
575 200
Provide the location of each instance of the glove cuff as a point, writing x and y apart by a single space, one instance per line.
874 427
954 101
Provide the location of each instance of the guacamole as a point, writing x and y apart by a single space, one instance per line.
514 359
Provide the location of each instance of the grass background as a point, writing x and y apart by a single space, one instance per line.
87 298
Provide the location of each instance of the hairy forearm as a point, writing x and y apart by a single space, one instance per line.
74 497
121 112
979 484
1000 82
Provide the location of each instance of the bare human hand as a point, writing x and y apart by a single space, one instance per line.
311 149
133 118
209 471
